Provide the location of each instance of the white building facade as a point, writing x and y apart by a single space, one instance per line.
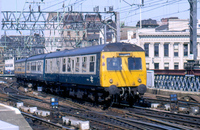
167 48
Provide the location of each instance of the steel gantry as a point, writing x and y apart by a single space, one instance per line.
65 28
34 20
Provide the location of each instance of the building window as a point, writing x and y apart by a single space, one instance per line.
77 33
156 49
185 51
147 66
166 49
166 66
176 50
146 48
68 33
176 65
156 65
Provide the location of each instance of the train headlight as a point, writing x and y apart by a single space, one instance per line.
139 80
111 81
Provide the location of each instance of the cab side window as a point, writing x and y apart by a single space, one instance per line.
92 62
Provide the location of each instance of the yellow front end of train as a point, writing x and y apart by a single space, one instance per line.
123 70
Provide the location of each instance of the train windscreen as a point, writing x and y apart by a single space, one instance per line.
114 63
134 63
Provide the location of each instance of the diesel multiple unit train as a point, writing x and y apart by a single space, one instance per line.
112 72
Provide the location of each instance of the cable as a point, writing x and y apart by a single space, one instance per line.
168 14
72 4
172 2
54 4
156 4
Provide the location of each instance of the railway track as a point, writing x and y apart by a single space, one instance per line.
101 120
135 118
50 125
177 120
164 100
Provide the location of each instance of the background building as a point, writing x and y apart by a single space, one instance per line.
166 46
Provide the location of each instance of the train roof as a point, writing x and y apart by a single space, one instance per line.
111 47
21 60
37 57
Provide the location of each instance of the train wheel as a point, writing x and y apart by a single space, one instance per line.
108 103
131 101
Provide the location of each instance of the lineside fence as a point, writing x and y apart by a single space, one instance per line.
184 83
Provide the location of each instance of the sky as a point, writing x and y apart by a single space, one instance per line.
129 9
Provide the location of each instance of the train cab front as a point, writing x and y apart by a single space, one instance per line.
123 75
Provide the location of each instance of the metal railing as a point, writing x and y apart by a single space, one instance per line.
187 83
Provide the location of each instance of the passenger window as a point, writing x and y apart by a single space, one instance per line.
64 65
23 67
58 65
18 67
69 65
84 61
73 65
92 59
114 63
33 66
28 66
134 63
39 66
46 65
51 66
77 65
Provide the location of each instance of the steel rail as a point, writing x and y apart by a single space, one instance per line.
168 116
46 122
